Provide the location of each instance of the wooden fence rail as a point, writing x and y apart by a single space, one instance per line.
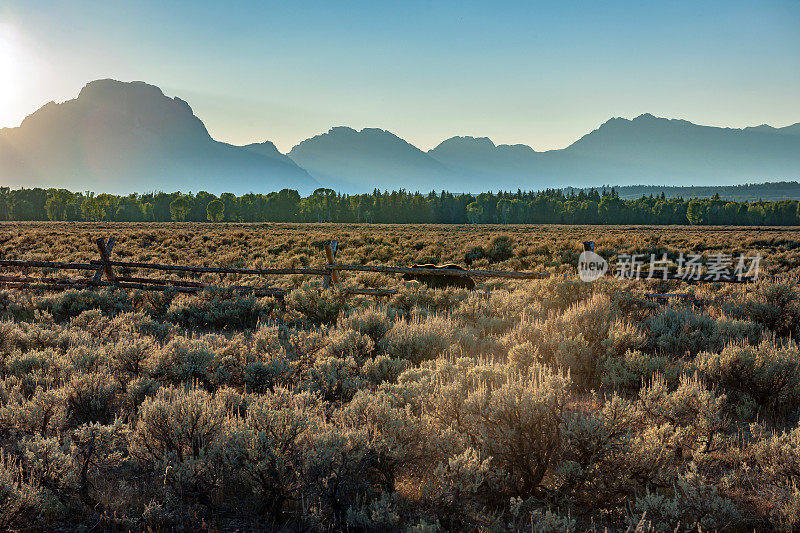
212 270
330 272
106 265
55 265
703 278
95 265
127 283
441 272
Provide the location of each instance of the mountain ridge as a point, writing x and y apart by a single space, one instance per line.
349 159
625 151
125 136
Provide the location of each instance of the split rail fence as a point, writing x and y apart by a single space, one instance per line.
105 275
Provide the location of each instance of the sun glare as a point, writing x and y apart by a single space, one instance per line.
11 75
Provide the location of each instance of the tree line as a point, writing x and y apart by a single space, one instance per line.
552 206
774 191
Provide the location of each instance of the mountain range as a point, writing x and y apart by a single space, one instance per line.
123 137
128 136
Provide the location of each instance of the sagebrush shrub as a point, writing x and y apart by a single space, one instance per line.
182 436
692 416
460 486
528 405
276 435
763 378
517 425
528 514
384 369
347 343
510 416
154 303
774 305
500 249
373 280
373 323
72 303
582 339
315 305
382 513
684 332
215 310
419 298
398 442
136 392
96 450
185 360
92 398
636 368
695 505
592 467
560 292
156 517
492 314
773 462
44 412
341 472
49 462
21 364
19 503
419 339
16 305
268 341
474 254
263 376
334 379
128 357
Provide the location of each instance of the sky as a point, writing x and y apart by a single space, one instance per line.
536 73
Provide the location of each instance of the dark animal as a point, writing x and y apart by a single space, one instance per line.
437 282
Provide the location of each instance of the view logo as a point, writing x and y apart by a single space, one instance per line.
590 265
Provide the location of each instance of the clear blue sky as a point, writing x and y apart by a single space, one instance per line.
541 74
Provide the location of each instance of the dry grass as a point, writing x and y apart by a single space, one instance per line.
547 405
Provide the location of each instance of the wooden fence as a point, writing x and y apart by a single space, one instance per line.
105 268
106 275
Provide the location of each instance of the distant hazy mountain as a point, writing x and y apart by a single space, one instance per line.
268 149
356 161
124 137
645 150
794 129
509 167
480 157
676 152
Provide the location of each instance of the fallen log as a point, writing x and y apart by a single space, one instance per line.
441 272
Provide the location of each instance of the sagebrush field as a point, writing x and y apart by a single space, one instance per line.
547 405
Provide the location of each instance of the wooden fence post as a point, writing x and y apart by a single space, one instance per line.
330 254
105 255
